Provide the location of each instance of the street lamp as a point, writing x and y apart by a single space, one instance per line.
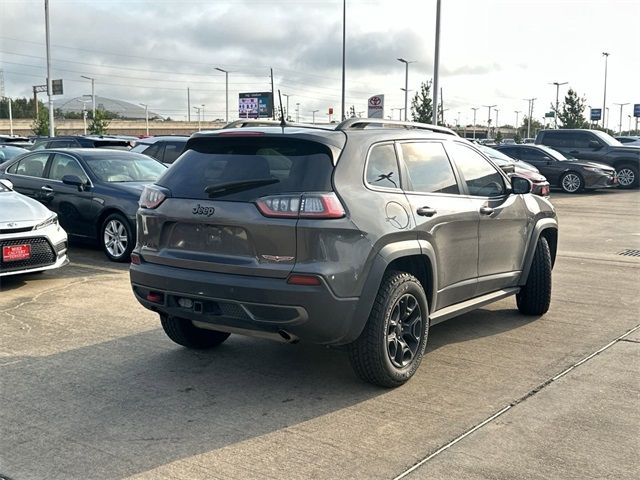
287 95
52 129
93 94
555 116
313 113
197 109
497 124
146 115
517 112
474 121
620 124
226 95
436 66
8 99
406 85
298 112
344 49
604 101
202 107
84 114
489 107
530 100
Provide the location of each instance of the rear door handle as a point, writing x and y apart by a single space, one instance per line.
486 210
426 211
46 189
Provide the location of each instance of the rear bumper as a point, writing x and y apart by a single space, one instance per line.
253 305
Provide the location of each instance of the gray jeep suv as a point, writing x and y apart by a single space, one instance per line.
362 235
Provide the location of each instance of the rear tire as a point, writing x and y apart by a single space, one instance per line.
627 176
571 182
182 331
535 297
392 344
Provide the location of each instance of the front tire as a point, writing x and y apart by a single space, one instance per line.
628 176
182 332
391 346
535 297
571 182
117 238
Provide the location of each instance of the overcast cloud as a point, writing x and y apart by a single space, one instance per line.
492 52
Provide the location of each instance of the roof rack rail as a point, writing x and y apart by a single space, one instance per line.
252 122
362 123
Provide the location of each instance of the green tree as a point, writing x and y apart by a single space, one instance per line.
571 114
498 137
20 108
99 124
40 125
421 105
535 126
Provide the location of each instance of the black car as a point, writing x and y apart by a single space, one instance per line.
81 141
94 192
165 149
596 146
561 170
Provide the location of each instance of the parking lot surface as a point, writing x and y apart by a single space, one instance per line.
91 388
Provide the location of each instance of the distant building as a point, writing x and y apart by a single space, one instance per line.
123 109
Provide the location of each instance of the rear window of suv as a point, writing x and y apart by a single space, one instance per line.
288 165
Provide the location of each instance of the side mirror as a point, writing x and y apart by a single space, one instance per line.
7 183
520 185
73 180
594 144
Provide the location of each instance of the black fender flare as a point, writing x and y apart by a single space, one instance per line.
542 225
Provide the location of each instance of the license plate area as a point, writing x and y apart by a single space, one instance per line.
14 253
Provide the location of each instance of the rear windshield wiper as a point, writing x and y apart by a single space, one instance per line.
222 188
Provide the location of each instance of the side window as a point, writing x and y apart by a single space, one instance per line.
582 139
62 144
532 155
429 168
553 139
382 167
172 150
481 177
154 151
65 165
32 166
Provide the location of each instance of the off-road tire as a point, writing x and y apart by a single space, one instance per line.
573 175
183 332
629 172
369 353
535 297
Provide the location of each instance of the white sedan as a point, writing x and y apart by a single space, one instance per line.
31 240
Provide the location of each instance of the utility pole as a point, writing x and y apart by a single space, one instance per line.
406 85
146 116
93 94
436 66
287 95
530 100
313 113
297 112
49 79
555 116
517 124
203 117
497 124
475 109
489 107
400 113
344 42
188 105
226 95
2 95
620 124
197 109
604 101
273 96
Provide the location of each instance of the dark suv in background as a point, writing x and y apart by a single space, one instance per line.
361 235
596 146
79 141
165 149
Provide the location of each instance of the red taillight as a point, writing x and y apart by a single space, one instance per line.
308 280
545 190
151 198
155 297
135 259
306 205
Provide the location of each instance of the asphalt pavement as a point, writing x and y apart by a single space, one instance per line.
91 388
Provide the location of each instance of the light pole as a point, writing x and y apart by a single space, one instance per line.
406 85
436 66
497 110
607 109
313 113
344 43
197 109
8 99
287 95
298 112
517 112
226 94
474 121
93 94
400 113
203 117
530 100
629 129
555 116
146 116
620 124
49 80
604 101
489 107
84 114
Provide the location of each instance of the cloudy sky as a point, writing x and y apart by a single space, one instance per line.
492 52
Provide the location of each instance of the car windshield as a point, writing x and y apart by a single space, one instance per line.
606 138
7 153
495 155
124 167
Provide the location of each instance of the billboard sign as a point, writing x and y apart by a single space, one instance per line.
549 115
375 106
636 110
596 114
255 105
